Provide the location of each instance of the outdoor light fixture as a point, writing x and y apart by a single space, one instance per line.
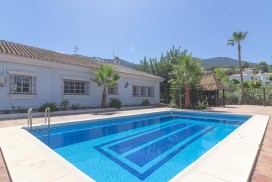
126 84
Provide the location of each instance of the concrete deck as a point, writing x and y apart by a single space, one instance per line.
14 141
262 172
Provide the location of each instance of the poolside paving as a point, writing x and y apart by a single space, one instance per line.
263 167
4 176
262 170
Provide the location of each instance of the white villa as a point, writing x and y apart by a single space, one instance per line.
248 76
30 77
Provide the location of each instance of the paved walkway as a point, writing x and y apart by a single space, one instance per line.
263 168
4 176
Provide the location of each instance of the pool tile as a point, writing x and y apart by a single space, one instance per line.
139 158
199 179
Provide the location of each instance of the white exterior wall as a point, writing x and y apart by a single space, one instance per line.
246 77
49 84
262 77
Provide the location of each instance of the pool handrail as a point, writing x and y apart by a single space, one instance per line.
47 118
29 121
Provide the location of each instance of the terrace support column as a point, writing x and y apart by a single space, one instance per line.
215 98
187 97
223 98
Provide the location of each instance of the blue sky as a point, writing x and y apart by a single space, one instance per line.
138 28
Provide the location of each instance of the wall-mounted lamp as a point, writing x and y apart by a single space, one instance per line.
126 85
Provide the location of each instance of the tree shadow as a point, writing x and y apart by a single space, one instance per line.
104 113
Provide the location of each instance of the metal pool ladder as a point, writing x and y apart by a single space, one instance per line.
29 121
47 118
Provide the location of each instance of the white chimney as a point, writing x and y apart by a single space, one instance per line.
116 60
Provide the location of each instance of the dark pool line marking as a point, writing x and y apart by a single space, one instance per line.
143 156
122 147
148 172
64 139
139 133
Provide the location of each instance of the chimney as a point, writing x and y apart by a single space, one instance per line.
116 60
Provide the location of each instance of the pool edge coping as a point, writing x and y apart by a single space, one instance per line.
195 170
120 115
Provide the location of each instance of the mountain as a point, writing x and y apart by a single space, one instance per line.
221 62
212 62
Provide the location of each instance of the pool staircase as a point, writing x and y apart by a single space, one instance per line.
47 118
29 121
47 115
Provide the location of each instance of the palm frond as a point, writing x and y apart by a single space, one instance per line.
106 76
244 35
231 42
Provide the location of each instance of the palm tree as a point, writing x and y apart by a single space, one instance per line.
106 77
186 72
236 38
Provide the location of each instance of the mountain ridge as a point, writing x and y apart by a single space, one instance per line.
210 62
222 62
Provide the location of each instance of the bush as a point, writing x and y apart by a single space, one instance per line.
231 98
64 104
145 102
173 104
19 109
75 106
201 105
115 103
254 96
53 107
7 111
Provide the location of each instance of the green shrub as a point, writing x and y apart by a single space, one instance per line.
53 107
115 103
201 104
231 98
18 109
75 106
254 96
270 78
7 111
173 104
64 105
145 102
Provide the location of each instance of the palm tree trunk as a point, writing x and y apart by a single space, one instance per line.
241 75
187 96
104 103
180 98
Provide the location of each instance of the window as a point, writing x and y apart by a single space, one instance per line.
76 87
135 90
150 91
143 91
113 90
21 84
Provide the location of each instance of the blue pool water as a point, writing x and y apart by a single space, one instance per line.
148 147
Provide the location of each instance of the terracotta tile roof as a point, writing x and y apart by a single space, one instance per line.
16 49
210 82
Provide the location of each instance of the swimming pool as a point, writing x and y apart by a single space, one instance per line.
148 147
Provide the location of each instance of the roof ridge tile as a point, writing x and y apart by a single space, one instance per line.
63 58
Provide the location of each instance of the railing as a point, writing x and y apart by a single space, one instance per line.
47 118
29 116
